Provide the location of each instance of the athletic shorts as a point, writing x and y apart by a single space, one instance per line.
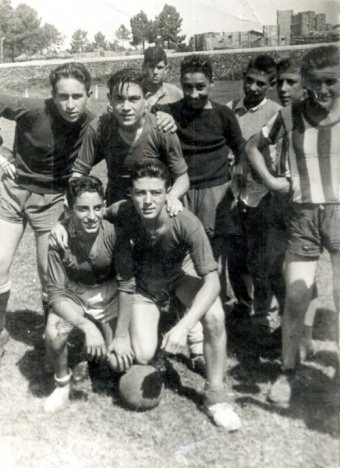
99 301
19 205
161 291
313 227
211 206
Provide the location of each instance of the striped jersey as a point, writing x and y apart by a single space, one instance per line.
312 152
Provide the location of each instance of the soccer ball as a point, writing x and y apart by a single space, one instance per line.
141 387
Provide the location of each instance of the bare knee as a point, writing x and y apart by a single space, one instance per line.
57 332
297 299
143 355
214 321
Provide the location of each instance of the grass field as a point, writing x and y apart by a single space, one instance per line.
96 431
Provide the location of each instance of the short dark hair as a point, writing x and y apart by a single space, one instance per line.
80 185
75 70
287 64
197 63
265 64
154 55
127 76
150 168
320 57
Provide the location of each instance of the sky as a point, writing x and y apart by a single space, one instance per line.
198 15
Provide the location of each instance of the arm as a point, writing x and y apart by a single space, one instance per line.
254 149
165 122
6 162
57 277
90 152
180 188
121 344
175 340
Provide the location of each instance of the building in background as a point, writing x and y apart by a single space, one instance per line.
303 28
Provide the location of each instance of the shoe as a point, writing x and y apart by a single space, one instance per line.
4 337
60 397
80 372
197 362
224 416
281 391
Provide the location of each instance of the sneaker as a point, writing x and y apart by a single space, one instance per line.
80 372
224 416
4 337
281 391
58 400
197 362
60 397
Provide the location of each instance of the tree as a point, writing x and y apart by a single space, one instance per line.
22 27
122 34
79 41
100 41
169 23
50 37
141 29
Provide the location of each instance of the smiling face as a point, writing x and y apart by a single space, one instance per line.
70 97
87 212
196 88
128 105
148 195
255 86
155 74
323 85
289 87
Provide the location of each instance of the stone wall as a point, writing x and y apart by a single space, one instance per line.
228 64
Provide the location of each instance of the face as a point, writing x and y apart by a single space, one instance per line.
255 86
196 87
70 97
87 212
289 87
156 73
128 105
149 196
323 85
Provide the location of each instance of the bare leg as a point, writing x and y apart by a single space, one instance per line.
144 331
10 236
300 274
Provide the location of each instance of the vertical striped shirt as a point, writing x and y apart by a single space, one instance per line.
313 153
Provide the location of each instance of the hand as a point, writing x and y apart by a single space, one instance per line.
174 205
9 169
94 342
280 185
165 122
58 238
175 340
121 347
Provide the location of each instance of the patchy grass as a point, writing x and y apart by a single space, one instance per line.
95 430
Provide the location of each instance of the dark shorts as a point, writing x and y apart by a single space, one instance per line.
313 227
19 206
211 206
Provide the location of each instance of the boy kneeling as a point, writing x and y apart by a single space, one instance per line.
90 288
173 257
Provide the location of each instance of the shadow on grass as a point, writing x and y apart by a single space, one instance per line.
315 400
26 326
325 325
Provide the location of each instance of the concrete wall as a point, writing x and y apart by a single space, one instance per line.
228 64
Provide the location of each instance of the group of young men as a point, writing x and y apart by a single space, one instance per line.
249 179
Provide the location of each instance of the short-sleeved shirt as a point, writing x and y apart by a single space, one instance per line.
206 136
166 94
90 261
46 146
313 153
103 141
245 184
158 260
